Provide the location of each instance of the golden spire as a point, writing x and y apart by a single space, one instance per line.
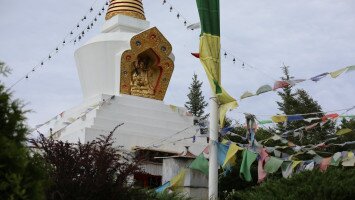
132 8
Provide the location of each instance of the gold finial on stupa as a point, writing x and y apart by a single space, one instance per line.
132 8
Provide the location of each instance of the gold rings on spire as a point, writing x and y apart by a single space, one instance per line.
132 8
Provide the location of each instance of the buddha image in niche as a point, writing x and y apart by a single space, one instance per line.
140 81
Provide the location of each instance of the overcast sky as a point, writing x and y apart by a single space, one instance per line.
310 36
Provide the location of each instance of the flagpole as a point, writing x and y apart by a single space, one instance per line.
213 164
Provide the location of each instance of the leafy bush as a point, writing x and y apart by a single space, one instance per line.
335 183
94 170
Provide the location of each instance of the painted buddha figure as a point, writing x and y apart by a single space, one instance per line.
140 83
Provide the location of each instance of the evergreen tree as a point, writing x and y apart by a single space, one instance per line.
21 175
196 102
299 102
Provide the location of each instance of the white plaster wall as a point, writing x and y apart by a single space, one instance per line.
145 122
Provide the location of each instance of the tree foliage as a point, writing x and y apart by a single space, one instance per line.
94 170
196 102
21 175
299 102
335 183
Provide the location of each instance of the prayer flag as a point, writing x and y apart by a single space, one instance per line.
309 166
279 118
295 163
222 153
248 159
200 164
293 82
263 89
233 149
330 116
163 187
210 53
261 163
265 122
319 77
246 95
194 26
196 55
280 84
286 169
273 164
344 131
351 68
178 180
324 164
336 159
295 118
338 72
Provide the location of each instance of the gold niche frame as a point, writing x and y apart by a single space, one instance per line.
154 48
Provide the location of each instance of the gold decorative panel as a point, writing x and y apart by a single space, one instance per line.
146 68
132 8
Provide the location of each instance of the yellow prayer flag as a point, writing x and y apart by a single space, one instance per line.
295 163
178 180
338 72
344 131
233 149
279 118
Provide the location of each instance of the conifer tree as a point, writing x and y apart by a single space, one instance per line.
196 102
21 175
299 102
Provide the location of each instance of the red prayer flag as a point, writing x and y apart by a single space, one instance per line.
196 55
330 116
281 84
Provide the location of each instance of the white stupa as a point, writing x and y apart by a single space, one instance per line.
129 64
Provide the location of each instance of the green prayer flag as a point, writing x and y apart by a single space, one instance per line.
263 89
200 164
272 165
266 122
248 159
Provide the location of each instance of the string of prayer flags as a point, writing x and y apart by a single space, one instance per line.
246 95
279 118
209 50
293 82
264 89
200 164
248 159
163 187
343 131
178 180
